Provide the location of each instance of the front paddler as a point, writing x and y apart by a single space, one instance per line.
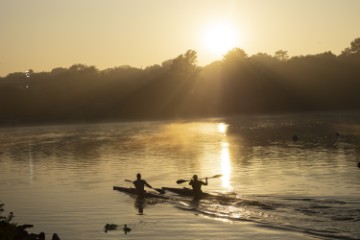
196 184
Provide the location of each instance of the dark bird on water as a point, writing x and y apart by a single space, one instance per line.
55 237
109 227
126 229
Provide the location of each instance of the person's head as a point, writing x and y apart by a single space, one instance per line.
138 176
195 177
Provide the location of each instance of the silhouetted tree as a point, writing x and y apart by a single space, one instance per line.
236 84
234 56
281 55
184 65
354 47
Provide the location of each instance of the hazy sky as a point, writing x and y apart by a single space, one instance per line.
45 34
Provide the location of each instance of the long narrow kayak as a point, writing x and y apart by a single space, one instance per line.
184 191
132 191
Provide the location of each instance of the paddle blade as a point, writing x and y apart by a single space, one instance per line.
181 181
217 176
159 190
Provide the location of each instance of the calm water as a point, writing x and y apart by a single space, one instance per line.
60 178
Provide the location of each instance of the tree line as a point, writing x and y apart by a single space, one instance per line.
178 88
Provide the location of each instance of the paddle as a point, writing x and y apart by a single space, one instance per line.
159 190
183 180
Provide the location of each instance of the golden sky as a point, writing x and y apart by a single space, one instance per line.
45 34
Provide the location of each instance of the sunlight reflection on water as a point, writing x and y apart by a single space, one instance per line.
225 165
31 165
225 157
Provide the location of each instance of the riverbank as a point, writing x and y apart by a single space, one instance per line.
13 231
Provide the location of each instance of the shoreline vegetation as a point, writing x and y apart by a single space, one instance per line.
14 231
179 89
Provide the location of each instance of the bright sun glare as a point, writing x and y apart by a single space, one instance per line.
220 38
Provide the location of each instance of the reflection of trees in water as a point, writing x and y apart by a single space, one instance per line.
190 145
265 139
56 146
314 130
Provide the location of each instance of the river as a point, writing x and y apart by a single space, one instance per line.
60 177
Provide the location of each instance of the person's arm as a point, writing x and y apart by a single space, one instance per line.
191 182
206 181
148 185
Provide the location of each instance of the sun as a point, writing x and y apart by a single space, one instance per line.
220 38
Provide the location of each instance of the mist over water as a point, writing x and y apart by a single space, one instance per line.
60 178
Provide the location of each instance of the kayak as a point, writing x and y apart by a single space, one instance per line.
185 192
132 191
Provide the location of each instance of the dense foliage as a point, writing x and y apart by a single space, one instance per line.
178 88
13 231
